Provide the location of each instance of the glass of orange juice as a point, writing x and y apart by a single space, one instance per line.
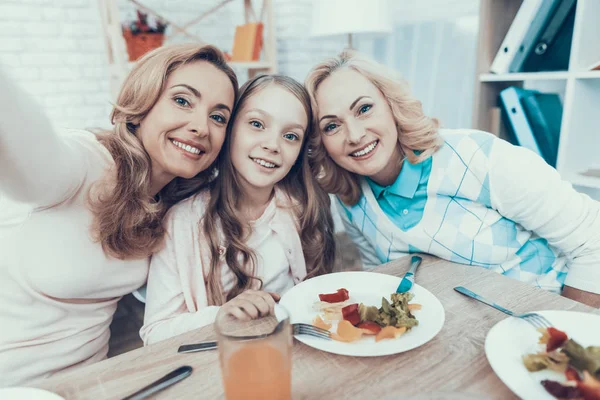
256 356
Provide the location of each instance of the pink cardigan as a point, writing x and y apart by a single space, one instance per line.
176 299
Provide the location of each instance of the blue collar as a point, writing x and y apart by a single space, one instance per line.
406 183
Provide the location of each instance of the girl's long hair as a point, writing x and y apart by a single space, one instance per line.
310 206
128 221
416 131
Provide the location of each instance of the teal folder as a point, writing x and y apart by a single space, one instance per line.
533 120
515 119
544 113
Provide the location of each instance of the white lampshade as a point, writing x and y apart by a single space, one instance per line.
342 17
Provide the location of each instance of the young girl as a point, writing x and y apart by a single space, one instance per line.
264 223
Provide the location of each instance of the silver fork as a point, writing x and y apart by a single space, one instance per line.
311 330
535 319
297 329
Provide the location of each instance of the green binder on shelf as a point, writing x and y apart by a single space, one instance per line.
533 120
552 48
544 113
540 22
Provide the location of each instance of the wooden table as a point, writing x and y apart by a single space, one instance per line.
453 365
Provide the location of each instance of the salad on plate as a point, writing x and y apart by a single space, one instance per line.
580 365
349 321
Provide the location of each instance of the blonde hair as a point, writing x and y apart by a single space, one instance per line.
311 206
128 221
416 131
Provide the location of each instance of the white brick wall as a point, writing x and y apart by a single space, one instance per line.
55 50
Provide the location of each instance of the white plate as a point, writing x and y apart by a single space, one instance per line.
24 393
367 288
512 338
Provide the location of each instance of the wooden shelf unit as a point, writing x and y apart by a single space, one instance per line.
119 64
579 88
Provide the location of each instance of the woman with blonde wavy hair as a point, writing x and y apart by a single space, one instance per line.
404 185
98 203
262 227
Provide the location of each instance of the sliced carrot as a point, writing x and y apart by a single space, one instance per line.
319 323
346 332
414 306
386 333
390 332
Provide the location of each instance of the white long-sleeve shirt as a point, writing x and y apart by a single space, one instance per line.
481 201
58 290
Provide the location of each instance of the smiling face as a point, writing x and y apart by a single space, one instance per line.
267 137
357 126
184 131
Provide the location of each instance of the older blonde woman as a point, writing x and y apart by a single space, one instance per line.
99 204
404 185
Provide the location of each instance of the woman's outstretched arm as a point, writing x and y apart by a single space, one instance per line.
36 165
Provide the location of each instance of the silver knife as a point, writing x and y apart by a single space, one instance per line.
170 379
192 348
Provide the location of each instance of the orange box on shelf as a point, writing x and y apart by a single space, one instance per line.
247 42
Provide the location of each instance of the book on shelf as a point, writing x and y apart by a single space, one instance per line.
533 120
538 39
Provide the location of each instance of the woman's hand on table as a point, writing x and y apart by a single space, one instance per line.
251 304
591 299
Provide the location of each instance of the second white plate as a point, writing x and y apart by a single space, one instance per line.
512 338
